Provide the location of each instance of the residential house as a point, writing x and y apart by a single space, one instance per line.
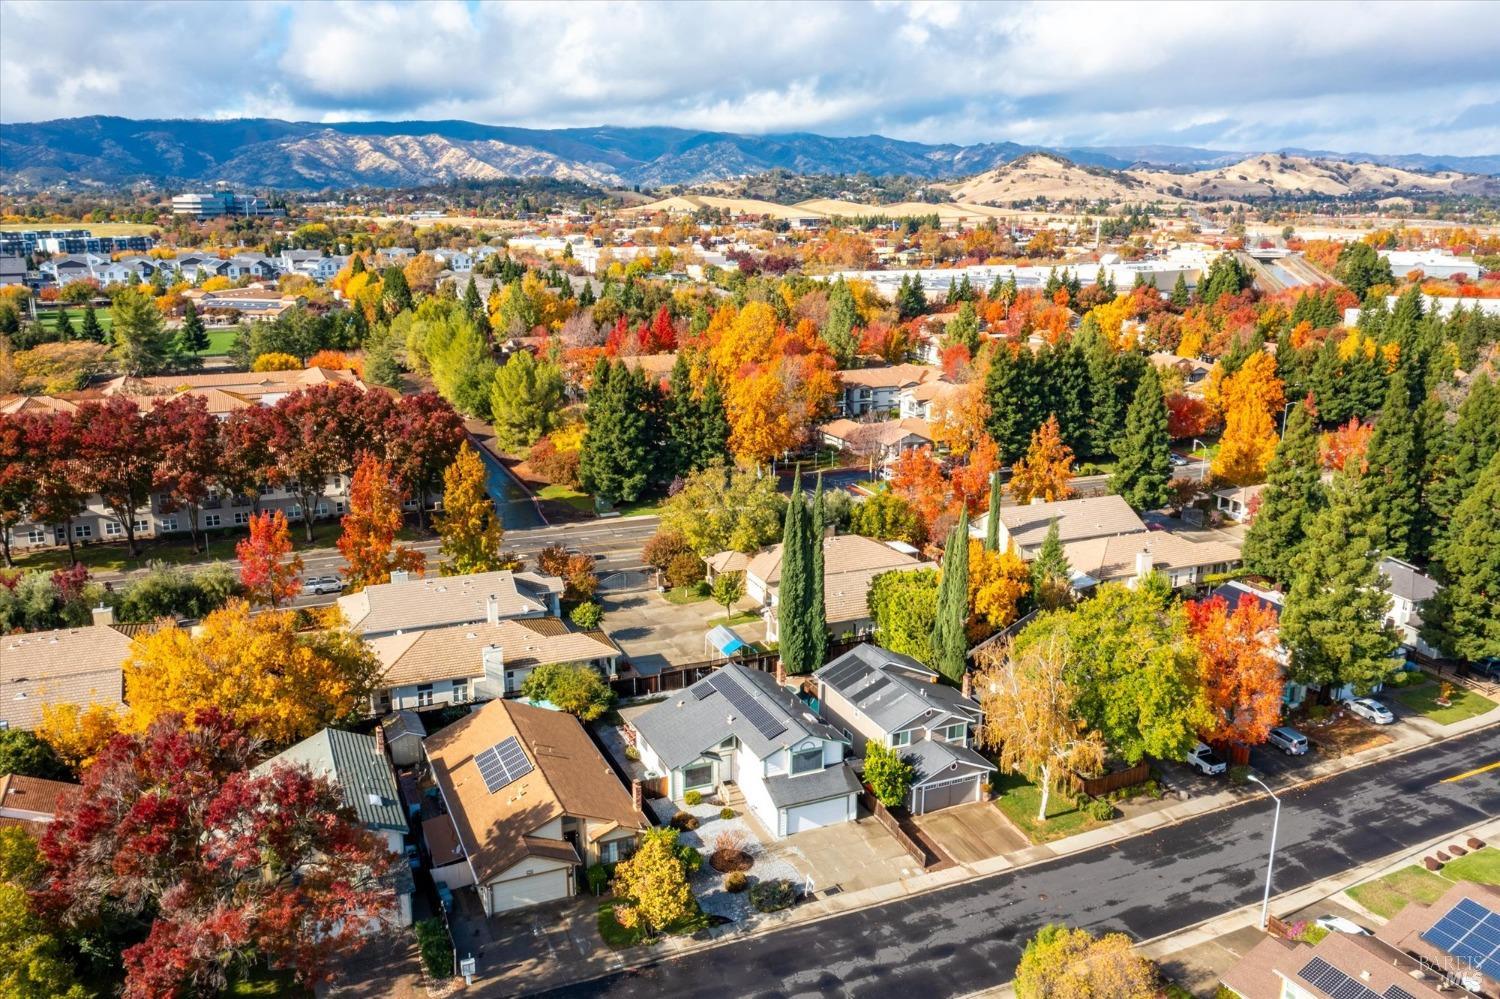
739 726
873 695
883 442
404 733
850 562
1077 519
410 603
66 270
81 666
920 400
358 765
453 259
531 803
311 263
199 267
1126 558
878 389
1192 371
251 265
1408 587
254 304
33 802
1238 502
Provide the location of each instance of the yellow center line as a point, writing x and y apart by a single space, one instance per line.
1470 773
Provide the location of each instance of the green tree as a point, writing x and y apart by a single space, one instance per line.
1143 469
526 399
381 366
1292 497
91 331
474 306
1226 276
728 589
903 605
1393 480
1472 441
462 367
911 298
1051 575
1180 297
817 618
142 344
64 328
1334 619
193 337
992 517
888 775
949 642
622 443
576 688
725 509
1014 395
793 594
21 752
838 331
1361 268
964 329
888 517
395 293
1461 619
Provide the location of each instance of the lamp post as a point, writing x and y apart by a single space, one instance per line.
1265 902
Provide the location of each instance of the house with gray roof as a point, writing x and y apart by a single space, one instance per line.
1409 588
739 727
358 765
874 695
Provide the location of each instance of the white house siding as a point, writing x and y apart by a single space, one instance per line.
455 876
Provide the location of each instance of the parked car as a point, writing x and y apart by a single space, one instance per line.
1338 924
1177 460
324 584
1288 740
1371 710
1206 761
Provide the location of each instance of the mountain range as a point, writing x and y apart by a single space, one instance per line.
269 153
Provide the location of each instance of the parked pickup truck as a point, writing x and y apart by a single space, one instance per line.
1206 761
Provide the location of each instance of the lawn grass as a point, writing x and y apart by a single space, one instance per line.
220 342
1388 895
619 937
267 983
1482 866
48 318
687 594
739 617
1465 703
175 549
563 494
641 508
1019 799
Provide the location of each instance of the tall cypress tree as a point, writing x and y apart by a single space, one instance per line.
1144 466
992 518
792 593
817 619
1461 619
950 644
1393 482
1292 497
838 331
1180 297
1334 620
474 306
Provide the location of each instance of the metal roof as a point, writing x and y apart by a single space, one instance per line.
358 767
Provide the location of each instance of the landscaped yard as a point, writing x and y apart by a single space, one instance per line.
554 493
739 617
175 549
219 342
1464 703
48 318
618 936
1020 799
1389 895
687 594
1482 866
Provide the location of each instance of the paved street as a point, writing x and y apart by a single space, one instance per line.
961 939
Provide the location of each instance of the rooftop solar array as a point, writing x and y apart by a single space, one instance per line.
1326 978
844 672
1469 932
744 702
502 764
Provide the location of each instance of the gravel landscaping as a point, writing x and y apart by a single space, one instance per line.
708 884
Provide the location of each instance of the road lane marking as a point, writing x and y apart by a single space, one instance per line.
1471 773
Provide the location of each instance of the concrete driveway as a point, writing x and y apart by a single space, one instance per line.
976 831
654 633
852 855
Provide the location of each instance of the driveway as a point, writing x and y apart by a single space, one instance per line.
976 831
654 633
849 856
544 943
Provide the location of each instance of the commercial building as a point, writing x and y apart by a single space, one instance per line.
221 202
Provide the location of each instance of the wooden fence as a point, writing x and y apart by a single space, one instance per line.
1096 786
683 675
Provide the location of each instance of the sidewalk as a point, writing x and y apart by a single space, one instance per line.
1411 737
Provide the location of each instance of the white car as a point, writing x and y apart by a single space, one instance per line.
1338 924
324 584
1177 460
1206 761
1371 710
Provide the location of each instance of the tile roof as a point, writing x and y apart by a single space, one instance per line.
72 665
887 376
449 653
894 691
35 794
1113 558
358 766
569 777
841 553
1088 517
886 433
443 601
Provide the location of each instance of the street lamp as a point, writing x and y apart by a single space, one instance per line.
1265 902
1285 410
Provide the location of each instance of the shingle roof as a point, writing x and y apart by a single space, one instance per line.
894 691
451 653
841 553
73 665
569 777
682 728
403 723
36 794
1089 517
1114 558
1407 582
358 766
443 601
941 760
830 782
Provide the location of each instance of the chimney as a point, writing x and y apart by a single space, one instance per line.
380 738
400 576
1142 564
968 685
104 615
491 609
780 673
637 796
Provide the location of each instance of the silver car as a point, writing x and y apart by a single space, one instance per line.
1288 740
324 584
1371 710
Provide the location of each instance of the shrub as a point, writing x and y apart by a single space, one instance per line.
632 754
663 547
888 775
693 798
773 895
587 616
436 948
598 876
627 916
684 821
736 881
1239 775
729 841
684 570
692 860
726 813
1099 809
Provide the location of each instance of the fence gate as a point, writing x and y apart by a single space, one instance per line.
628 579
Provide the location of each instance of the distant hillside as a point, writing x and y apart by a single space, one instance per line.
311 156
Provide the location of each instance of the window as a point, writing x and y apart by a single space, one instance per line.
424 695
83 530
952 733
805 761
142 526
901 738
697 775
36 536
112 529
460 691
168 523
212 520
615 850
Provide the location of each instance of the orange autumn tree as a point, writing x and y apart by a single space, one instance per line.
1250 399
267 573
1345 443
338 361
1241 676
917 478
1047 468
368 541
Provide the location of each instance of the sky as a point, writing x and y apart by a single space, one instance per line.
1365 77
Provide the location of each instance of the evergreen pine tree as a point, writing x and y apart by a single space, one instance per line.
1014 398
395 293
381 367
92 330
64 327
1293 495
1334 619
682 418
817 618
838 331
964 329
621 448
193 337
1143 468
586 296
713 423
950 643
992 518
1180 296
792 635
1461 620
1470 444
474 305
1051 574
356 265
1392 483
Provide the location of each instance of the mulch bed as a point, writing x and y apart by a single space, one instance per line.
727 861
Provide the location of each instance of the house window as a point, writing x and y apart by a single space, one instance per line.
36 536
615 850
83 531
424 695
697 775
241 518
901 738
805 761
460 691
212 520
952 733
112 529
168 523
142 526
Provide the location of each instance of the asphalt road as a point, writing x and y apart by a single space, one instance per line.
969 937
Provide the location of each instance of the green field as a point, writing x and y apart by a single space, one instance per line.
219 343
49 318
1463 703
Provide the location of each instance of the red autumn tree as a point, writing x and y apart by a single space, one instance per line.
1345 443
917 478
314 435
115 460
368 541
428 434
17 484
269 571
184 436
1189 416
226 867
1241 675
246 462
51 460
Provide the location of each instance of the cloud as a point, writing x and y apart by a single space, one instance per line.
1366 77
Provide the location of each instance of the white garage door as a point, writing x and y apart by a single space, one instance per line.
816 814
544 887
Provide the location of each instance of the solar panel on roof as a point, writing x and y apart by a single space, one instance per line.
744 702
1471 933
882 681
1326 978
702 690
1397 992
845 672
502 764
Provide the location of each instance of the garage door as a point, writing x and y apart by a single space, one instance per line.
544 887
816 814
936 796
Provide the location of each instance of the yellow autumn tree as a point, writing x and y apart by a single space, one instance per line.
277 362
1250 398
76 732
1046 470
281 685
998 581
